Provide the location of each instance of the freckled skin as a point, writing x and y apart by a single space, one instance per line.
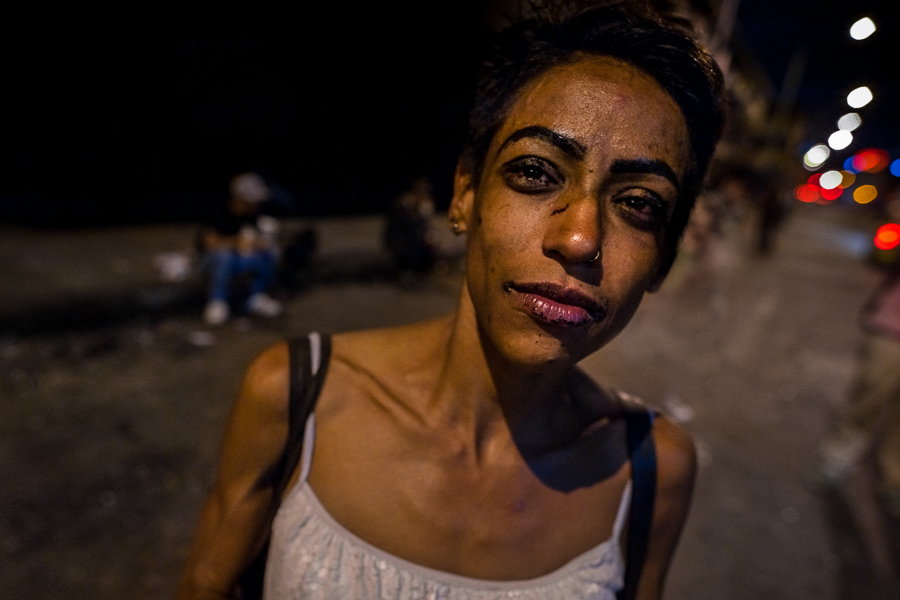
615 111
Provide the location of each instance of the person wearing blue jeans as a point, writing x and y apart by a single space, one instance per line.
236 241
225 265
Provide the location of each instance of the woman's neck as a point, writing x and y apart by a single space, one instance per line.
484 395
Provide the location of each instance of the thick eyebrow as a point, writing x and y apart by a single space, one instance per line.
568 145
577 150
645 165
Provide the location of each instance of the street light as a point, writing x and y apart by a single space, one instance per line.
862 29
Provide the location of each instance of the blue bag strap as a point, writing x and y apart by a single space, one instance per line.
642 453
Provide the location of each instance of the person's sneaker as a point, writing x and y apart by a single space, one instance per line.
216 312
263 305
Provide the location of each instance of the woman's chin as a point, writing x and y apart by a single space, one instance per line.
538 348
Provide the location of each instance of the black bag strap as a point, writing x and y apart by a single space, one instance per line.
308 364
642 453
309 358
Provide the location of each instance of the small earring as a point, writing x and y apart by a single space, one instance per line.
595 259
455 226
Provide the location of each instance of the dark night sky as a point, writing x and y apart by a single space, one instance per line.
131 116
148 117
836 64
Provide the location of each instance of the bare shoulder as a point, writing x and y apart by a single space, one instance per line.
360 361
380 367
234 519
676 453
383 353
391 342
676 456
266 380
676 467
258 424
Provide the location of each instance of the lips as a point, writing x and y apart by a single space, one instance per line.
556 304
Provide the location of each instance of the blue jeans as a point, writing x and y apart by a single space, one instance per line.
225 265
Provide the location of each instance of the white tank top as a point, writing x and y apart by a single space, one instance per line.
313 557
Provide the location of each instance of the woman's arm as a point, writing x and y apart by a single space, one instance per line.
234 522
676 467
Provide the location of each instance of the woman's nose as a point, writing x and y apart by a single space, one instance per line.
574 231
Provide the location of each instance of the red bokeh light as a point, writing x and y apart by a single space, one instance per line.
873 160
887 237
807 193
832 194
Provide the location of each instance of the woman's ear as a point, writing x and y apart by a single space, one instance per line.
460 211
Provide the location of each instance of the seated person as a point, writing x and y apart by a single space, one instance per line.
237 240
408 235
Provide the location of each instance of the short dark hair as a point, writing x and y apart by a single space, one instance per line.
654 40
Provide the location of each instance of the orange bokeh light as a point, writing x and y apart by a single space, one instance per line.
865 194
849 178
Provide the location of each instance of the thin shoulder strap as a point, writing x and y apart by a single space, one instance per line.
642 453
308 365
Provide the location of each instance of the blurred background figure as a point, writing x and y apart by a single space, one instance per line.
712 239
862 455
408 235
771 213
748 196
295 259
239 241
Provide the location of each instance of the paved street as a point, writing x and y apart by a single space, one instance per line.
110 418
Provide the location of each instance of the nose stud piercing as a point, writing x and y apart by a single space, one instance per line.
595 259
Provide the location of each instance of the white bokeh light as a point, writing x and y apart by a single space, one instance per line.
859 97
862 29
840 140
830 180
849 122
816 155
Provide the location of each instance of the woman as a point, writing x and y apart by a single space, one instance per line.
468 457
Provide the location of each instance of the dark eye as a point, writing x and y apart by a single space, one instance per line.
531 175
644 209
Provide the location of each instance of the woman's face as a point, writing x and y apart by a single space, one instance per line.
566 225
